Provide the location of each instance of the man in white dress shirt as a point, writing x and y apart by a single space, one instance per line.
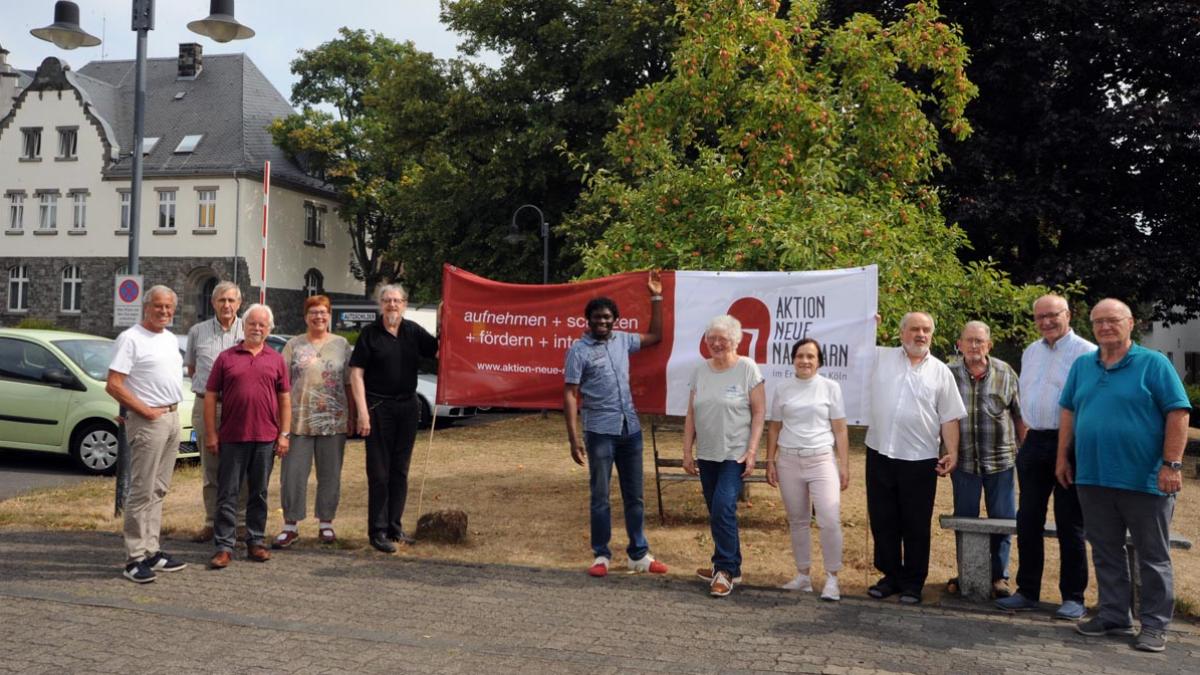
915 406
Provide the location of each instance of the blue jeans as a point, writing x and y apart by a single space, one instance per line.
625 450
722 483
250 463
1001 501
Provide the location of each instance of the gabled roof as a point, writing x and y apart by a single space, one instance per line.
230 102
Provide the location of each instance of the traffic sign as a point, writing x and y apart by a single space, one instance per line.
127 300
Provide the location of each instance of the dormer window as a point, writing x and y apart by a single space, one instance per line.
188 144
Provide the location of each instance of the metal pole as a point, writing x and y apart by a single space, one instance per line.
545 250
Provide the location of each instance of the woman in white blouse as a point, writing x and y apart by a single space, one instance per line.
807 424
724 423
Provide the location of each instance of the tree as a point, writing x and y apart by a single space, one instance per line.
1085 163
356 149
780 142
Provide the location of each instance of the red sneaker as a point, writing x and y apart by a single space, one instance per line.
648 564
599 568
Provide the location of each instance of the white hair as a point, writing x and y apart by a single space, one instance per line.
390 288
977 324
158 289
260 307
904 320
725 325
224 287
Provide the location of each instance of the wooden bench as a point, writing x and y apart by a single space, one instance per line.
675 474
975 559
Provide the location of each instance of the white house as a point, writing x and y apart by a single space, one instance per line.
65 170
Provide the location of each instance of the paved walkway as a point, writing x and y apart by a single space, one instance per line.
64 608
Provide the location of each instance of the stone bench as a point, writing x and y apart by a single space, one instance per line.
975 558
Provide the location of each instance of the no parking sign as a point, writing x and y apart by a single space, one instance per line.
127 300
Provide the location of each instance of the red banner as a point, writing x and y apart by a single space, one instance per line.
505 344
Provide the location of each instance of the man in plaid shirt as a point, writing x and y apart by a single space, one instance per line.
988 440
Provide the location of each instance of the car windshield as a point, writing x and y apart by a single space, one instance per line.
93 356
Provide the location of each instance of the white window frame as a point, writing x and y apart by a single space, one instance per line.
126 200
166 209
314 282
18 288
71 299
68 143
79 210
16 211
206 212
31 143
48 211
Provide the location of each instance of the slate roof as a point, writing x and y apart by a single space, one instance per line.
230 102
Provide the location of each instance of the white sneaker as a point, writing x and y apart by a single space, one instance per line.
648 564
831 591
802 582
599 568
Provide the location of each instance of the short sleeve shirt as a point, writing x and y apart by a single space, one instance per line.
249 384
909 403
1120 417
389 362
151 364
721 409
206 340
601 369
805 408
318 377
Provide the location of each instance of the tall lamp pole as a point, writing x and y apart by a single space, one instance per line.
545 232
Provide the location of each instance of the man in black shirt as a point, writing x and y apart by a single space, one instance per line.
383 378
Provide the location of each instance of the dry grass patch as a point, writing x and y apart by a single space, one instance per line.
527 503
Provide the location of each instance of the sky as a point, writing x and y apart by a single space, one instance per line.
282 27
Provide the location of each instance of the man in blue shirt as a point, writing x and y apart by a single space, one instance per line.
597 368
1128 413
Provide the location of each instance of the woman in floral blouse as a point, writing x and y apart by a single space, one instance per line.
318 365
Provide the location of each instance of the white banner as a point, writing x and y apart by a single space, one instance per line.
776 309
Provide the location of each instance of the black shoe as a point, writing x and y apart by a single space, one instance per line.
882 589
163 562
402 538
382 544
139 572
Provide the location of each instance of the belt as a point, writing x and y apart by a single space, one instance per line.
805 452
392 397
1043 432
169 408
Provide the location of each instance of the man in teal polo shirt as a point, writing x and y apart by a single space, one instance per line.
1128 412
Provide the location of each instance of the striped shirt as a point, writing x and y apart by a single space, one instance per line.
988 439
206 340
1044 369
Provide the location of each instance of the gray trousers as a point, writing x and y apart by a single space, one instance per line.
1107 514
153 445
210 466
328 451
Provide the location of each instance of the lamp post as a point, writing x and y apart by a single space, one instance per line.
514 237
66 33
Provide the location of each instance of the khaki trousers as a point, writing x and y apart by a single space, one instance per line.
153 445
210 464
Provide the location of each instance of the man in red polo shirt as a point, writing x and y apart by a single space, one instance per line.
251 381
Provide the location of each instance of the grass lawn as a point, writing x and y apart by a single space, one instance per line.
527 504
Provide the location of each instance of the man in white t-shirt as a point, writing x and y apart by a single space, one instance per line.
144 377
915 406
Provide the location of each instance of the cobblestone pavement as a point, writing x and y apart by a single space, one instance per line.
65 609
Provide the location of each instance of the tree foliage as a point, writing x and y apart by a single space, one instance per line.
780 142
1085 163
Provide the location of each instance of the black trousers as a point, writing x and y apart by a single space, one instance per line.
900 498
1035 475
389 452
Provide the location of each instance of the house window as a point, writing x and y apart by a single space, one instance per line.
79 202
125 202
314 226
72 288
68 140
166 210
48 211
16 210
32 146
188 143
18 288
313 283
206 218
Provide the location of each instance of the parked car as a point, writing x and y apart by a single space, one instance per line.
52 398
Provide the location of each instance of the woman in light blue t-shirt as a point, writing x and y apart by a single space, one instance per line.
724 424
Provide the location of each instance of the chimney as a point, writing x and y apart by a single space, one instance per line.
191 61
9 82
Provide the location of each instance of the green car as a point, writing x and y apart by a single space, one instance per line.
52 397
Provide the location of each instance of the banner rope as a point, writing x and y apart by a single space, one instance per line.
425 468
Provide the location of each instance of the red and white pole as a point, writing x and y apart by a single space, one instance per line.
262 278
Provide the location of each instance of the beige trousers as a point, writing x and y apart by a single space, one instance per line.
210 464
153 445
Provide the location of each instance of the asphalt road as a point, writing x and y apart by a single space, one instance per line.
21 472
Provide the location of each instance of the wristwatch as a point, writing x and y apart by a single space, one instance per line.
287 435
1174 466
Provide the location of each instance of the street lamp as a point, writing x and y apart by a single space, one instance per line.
514 237
66 33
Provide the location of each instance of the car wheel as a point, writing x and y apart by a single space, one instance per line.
424 420
94 447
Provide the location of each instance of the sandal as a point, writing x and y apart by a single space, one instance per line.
327 535
285 539
881 590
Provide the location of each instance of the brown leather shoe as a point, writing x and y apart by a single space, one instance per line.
258 553
220 561
203 536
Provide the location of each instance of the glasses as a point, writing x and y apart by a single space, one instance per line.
975 342
1047 315
1109 322
317 312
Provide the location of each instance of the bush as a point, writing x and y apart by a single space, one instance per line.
39 324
